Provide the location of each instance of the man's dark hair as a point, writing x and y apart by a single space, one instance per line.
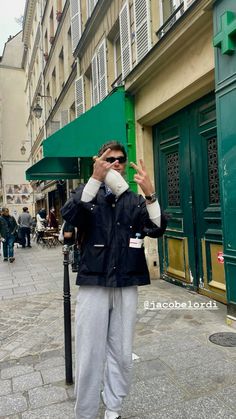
25 209
113 145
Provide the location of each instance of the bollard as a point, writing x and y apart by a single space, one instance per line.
67 317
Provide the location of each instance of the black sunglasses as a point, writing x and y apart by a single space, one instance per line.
121 159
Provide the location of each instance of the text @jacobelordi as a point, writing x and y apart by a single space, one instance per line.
177 305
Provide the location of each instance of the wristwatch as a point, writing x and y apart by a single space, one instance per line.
151 198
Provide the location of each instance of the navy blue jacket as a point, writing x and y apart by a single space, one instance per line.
106 226
8 226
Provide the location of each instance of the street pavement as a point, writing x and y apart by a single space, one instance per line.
178 372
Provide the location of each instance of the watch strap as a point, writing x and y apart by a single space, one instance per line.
151 198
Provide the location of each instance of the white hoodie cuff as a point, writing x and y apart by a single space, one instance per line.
154 212
90 190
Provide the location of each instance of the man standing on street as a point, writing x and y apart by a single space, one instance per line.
8 228
25 221
113 222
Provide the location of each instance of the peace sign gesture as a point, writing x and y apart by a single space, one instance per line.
142 178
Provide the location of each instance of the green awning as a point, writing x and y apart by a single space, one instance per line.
54 168
82 138
85 135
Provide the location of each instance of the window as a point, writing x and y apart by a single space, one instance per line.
168 8
75 22
72 112
61 69
64 117
117 56
54 126
171 11
54 84
90 6
79 96
48 90
51 39
70 57
102 70
188 3
48 100
142 28
45 45
99 74
125 40
95 87
88 87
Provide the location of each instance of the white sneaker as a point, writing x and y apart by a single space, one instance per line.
109 414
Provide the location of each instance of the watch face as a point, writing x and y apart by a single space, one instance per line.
151 197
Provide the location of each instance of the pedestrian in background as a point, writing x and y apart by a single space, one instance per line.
8 227
33 225
41 223
25 221
114 221
69 234
52 221
70 239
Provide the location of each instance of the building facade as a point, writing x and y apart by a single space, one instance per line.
161 53
15 145
50 72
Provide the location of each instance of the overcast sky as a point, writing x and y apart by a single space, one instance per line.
10 10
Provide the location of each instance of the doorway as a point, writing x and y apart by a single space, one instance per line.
186 164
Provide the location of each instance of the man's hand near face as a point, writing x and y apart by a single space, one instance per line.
101 166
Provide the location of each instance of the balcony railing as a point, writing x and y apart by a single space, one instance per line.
117 82
171 20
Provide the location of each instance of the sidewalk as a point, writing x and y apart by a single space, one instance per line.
178 372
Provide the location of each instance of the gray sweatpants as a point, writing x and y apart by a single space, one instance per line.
104 330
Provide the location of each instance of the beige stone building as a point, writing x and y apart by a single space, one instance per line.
15 145
162 53
142 71
50 73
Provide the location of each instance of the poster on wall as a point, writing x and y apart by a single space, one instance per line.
18 194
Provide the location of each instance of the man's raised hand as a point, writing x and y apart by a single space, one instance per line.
142 178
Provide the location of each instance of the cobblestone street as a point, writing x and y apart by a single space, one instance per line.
178 373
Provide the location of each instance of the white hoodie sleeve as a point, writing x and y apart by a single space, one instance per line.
154 212
90 190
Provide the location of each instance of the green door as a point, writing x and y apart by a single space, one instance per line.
186 166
